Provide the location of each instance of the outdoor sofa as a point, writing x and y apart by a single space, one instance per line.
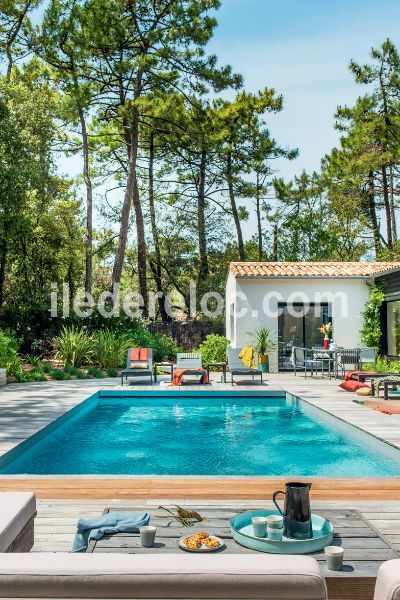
236 366
166 576
17 514
388 581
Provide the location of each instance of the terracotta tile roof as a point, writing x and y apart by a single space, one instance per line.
310 269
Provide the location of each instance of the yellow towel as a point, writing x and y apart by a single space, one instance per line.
247 357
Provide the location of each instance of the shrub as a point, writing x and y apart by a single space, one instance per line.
95 373
113 372
109 348
164 347
383 365
59 375
214 348
9 358
75 372
37 375
74 346
371 332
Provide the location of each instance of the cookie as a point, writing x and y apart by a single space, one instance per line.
192 542
210 542
201 535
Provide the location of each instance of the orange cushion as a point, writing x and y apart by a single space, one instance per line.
352 386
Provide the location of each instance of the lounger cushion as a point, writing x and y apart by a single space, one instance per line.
388 581
16 509
165 576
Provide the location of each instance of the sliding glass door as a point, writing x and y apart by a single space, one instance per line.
299 326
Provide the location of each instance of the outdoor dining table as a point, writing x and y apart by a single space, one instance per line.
364 548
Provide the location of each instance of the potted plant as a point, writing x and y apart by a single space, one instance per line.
263 341
326 329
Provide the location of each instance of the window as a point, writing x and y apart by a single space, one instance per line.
393 327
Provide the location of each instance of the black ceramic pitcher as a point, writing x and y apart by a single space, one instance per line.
297 512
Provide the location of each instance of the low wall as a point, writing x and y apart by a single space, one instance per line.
3 378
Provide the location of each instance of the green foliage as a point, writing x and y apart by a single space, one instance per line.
214 348
93 372
37 374
263 340
59 375
74 346
113 372
164 347
9 359
109 349
75 372
371 332
383 365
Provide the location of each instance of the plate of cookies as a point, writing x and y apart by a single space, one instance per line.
200 542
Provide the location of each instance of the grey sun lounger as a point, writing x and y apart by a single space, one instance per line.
236 366
146 371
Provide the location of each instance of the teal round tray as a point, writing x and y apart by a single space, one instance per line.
242 532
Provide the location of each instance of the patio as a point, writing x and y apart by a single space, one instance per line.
26 408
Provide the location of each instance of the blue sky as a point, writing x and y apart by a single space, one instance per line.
302 49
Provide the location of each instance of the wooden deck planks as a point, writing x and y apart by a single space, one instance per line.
199 488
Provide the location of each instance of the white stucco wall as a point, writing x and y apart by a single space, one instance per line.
347 301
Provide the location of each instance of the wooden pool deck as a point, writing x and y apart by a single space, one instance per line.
27 408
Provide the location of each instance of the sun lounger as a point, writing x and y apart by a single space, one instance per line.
188 363
163 576
139 363
236 366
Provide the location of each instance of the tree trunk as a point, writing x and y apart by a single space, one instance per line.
229 179
387 208
392 206
275 244
3 258
89 201
372 214
157 267
259 226
132 194
201 219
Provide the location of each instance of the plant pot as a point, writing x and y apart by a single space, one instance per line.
326 343
263 363
3 377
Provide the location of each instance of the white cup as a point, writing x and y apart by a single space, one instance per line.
275 527
259 526
147 535
334 557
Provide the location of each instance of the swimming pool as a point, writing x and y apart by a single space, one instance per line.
213 433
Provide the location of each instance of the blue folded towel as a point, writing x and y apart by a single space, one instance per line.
112 522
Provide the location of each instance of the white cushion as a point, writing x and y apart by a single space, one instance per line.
16 509
388 581
229 576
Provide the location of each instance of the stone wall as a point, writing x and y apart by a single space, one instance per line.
3 378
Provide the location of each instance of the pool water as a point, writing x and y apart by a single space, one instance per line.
188 435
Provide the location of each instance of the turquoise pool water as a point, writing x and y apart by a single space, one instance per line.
201 435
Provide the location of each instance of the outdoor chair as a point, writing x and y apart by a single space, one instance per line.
236 366
367 355
302 358
189 363
348 357
139 363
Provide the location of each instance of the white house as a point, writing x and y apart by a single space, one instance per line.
294 299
